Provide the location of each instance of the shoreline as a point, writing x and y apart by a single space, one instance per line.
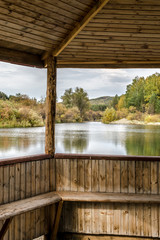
125 121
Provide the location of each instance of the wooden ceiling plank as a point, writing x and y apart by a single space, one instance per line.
131 7
31 16
39 25
17 30
32 10
79 26
20 58
135 2
66 7
12 38
125 21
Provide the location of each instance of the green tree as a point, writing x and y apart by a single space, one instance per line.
135 94
81 100
67 98
115 102
3 96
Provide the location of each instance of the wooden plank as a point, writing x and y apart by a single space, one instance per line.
154 208
87 188
108 197
17 228
74 175
12 186
22 194
5 228
28 204
57 220
28 194
79 26
74 236
102 188
102 177
50 106
116 176
109 176
81 175
52 174
33 193
66 175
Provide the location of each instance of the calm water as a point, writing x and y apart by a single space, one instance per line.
94 138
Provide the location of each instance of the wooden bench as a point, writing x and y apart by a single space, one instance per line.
108 197
9 210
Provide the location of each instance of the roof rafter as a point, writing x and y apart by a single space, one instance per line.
79 26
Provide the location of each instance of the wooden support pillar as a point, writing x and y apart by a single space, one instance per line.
50 106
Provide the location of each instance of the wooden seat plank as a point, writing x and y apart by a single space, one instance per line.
109 197
18 207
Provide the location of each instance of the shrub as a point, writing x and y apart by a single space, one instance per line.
152 118
123 113
109 115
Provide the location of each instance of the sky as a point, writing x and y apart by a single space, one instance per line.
97 82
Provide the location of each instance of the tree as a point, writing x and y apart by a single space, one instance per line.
135 93
115 101
81 100
68 98
3 96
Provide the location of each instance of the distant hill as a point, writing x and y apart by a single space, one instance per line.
105 100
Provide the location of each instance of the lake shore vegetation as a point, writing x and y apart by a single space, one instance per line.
141 102
139 105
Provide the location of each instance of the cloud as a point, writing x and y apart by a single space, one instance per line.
97 82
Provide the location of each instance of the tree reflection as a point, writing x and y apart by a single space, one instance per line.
75 142
146 144
18 143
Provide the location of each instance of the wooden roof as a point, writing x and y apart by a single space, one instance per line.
81 33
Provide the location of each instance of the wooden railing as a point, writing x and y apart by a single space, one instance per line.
29 176
115 174
21 178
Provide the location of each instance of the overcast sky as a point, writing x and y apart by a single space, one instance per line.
97 82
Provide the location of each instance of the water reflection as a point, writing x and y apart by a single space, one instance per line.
77 141
145 141
89 138
21 141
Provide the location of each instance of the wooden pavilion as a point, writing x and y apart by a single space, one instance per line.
79 197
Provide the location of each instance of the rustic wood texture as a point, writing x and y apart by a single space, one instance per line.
91 176
69 236
101 34
20 180
78 28
50 106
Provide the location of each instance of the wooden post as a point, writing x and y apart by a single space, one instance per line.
50 106
5 227
54 231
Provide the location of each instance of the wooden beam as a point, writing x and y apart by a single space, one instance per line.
21 58
57 220
79 26
5 228
108 64
50 106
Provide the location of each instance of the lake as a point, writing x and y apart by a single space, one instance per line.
89 138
